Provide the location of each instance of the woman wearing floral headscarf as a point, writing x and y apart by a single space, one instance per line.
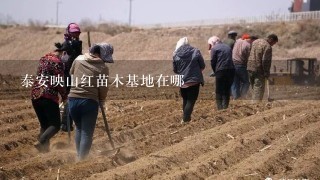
90 73
45 97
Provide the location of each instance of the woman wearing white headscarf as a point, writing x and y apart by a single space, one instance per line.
90 73
188 62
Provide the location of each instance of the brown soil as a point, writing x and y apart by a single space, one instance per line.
278 139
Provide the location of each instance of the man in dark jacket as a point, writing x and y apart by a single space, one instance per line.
188 62
230 41
222 65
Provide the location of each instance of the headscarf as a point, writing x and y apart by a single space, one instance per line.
181 42
214 40
106 51
72 27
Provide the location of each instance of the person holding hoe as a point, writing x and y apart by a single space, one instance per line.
85 95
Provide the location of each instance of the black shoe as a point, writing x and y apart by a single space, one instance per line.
42 148
184 122
64 128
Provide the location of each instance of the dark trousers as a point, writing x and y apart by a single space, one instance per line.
241 82
65 114
190 96
224 79
67 82
49 118
66 117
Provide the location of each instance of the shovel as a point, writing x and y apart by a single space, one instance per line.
114 150
106 125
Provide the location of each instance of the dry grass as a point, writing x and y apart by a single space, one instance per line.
296 40
36 26
107 28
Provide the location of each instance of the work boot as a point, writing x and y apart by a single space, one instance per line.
219 102
184 122
64 127
42 147
225 102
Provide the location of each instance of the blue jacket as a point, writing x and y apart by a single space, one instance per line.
188 61
221 57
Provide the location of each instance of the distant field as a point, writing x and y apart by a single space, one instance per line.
300 39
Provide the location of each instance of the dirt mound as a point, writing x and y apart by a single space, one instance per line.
296 39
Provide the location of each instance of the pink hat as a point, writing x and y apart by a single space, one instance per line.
73 27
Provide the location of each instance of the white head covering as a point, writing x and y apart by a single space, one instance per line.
181 42
214 40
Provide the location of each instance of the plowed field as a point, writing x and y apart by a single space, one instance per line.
278 139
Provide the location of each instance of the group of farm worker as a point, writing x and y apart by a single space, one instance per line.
81 102
235 63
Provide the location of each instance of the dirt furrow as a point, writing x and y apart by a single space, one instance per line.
12 145
7 129
143 143
107 163
297 96
17 117
235 151
18 140
189 148
39 163
280 155
15 108
141 111
22 149
8 103
151 137
306 166
14 96
76 170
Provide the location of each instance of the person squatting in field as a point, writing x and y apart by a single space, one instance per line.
45 99
188 62
73 49
84 98
259 64
240 55
222 65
